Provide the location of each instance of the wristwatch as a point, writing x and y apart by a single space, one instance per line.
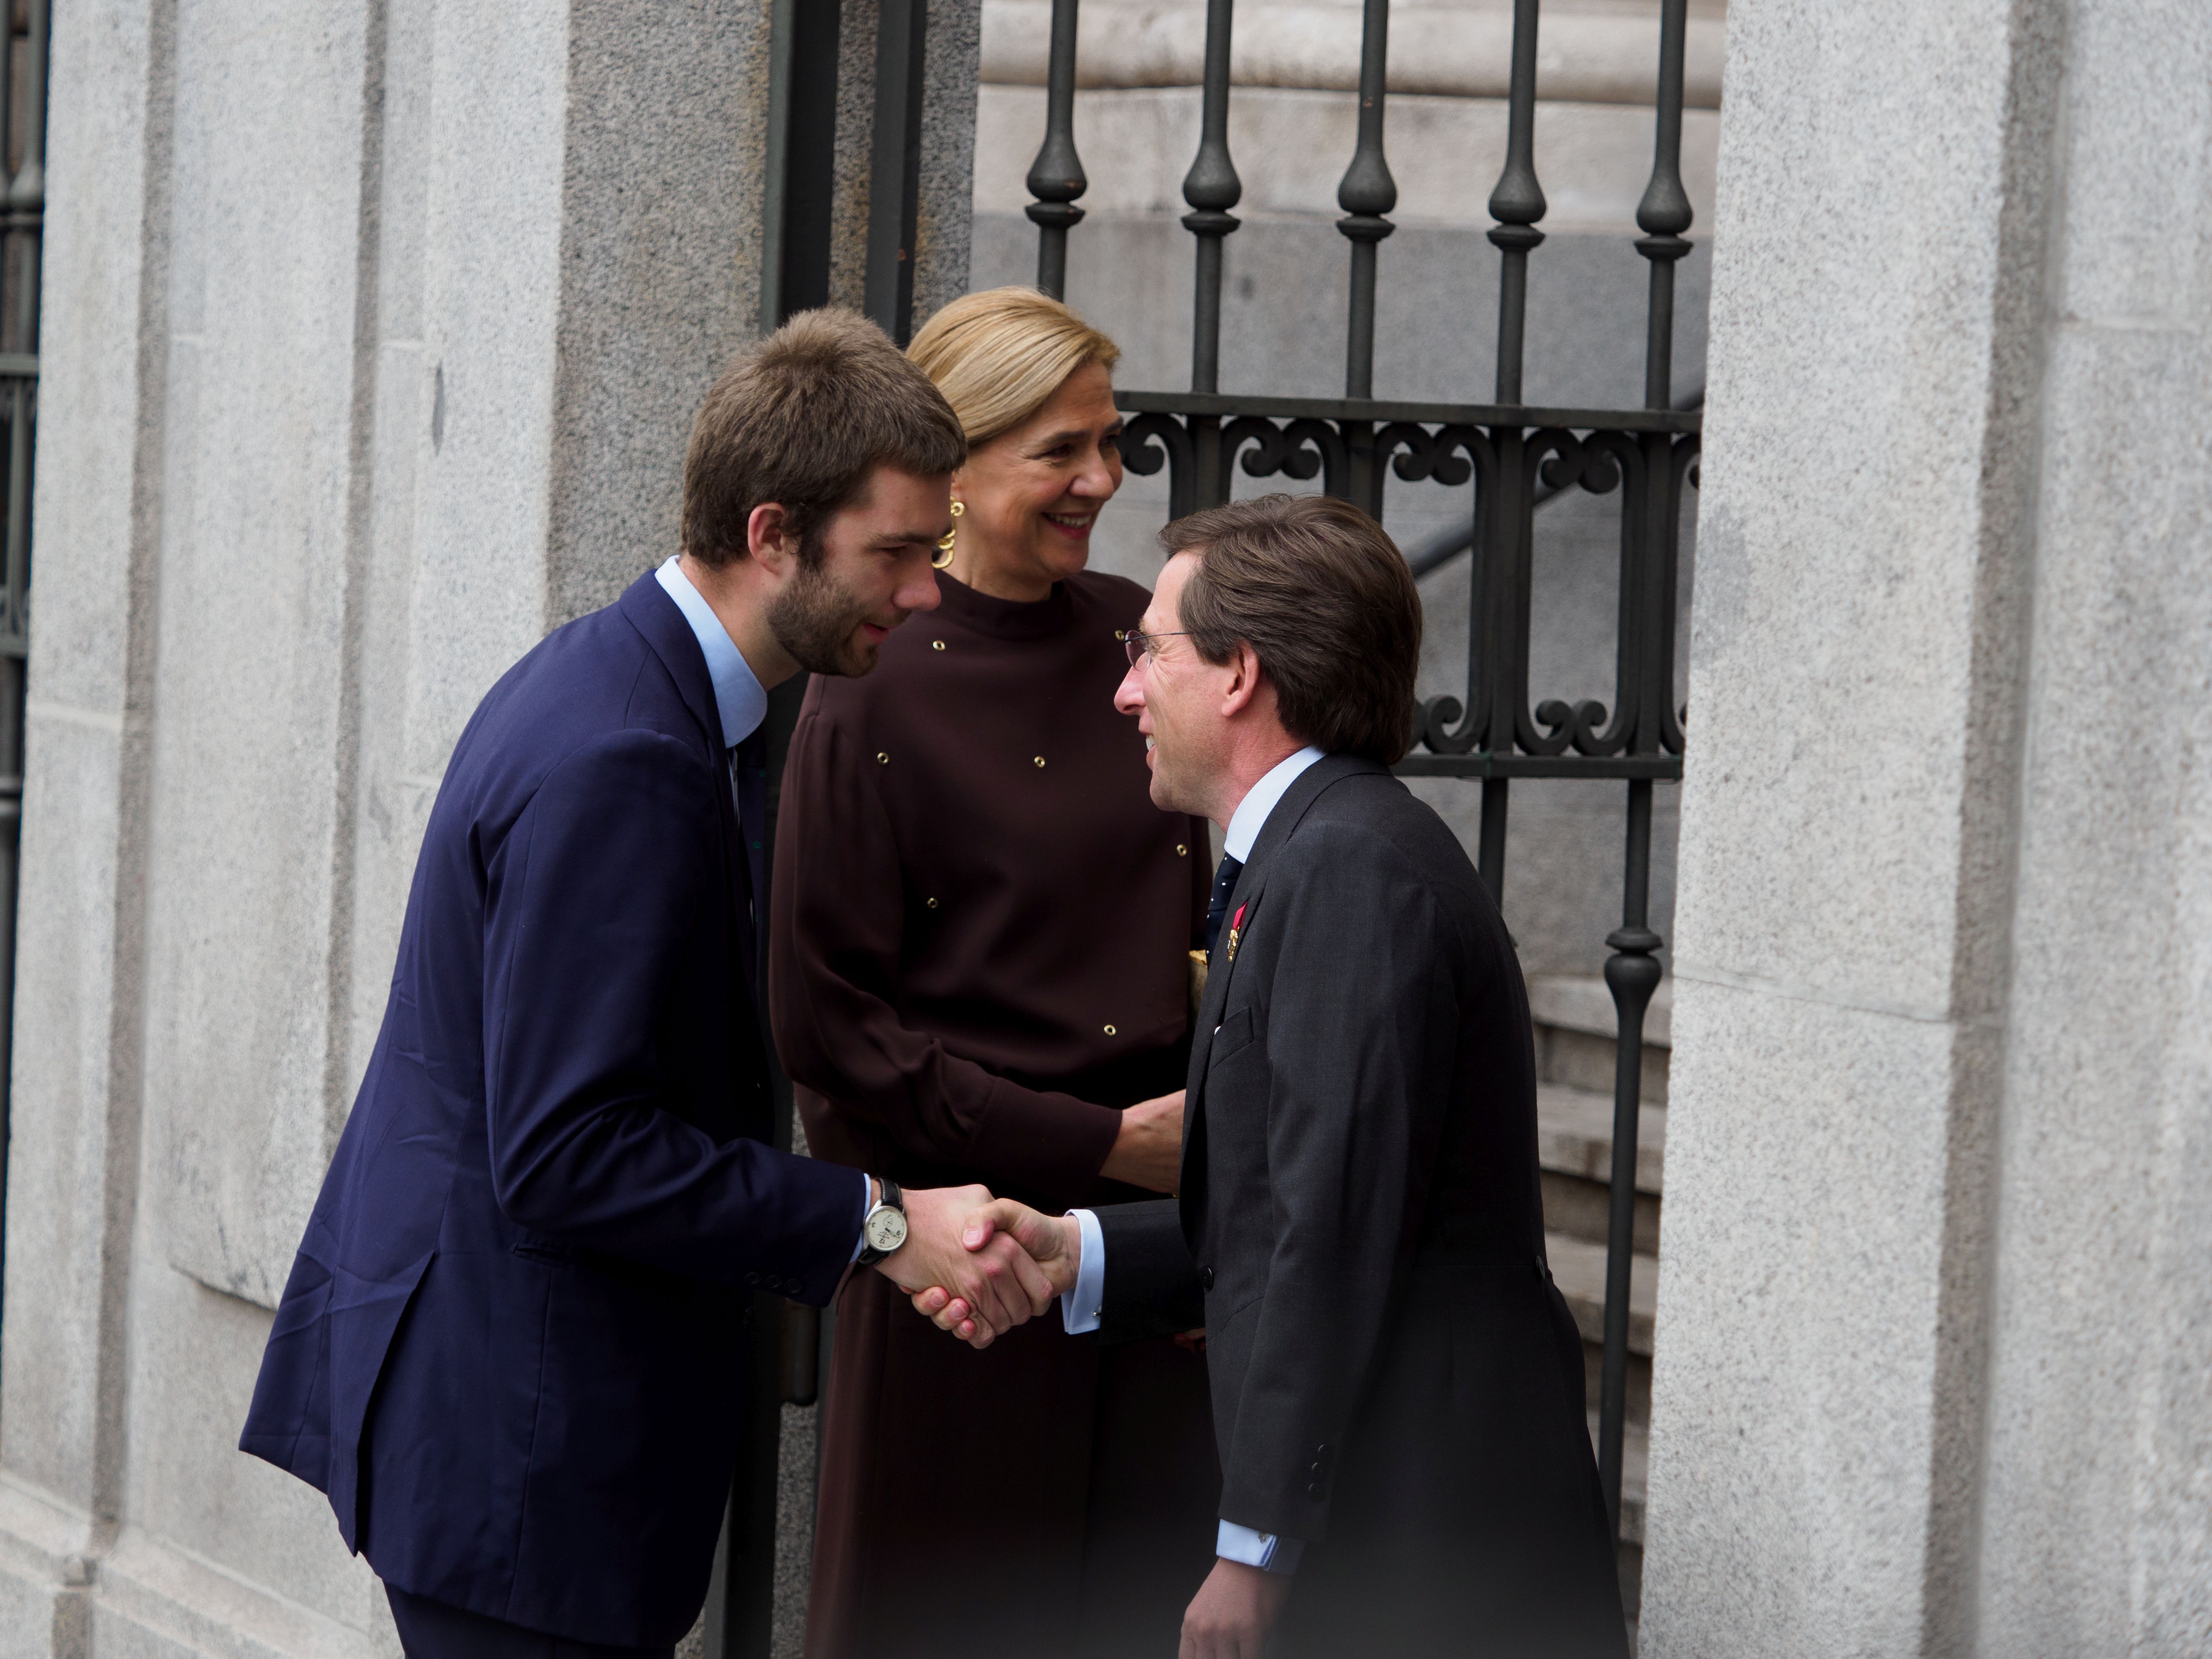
883 1229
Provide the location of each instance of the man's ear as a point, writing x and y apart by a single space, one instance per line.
769 538
1244 686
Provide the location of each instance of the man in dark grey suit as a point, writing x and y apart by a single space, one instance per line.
1397 1386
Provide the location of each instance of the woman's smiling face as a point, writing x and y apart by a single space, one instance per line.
1031 495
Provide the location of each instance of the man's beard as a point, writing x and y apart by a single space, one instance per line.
818 623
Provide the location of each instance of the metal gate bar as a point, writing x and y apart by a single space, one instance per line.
1516 457
902 28
1056 176
1632 972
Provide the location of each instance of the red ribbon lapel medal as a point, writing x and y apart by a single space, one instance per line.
1236 922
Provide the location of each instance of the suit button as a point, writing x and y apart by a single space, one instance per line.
752 1279
1205 1280
1318 1491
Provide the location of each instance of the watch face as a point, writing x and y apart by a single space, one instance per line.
886 1230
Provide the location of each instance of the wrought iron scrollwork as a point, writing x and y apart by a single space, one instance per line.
1416 453
1447 725
1490 731
1606 460
1681 475
1151 441
1302 449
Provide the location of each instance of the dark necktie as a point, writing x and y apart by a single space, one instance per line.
749 782
1217 908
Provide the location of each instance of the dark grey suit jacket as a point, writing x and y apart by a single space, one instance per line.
1396 1381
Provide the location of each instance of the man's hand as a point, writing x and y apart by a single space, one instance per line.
1148 1151
1051 1246
950 1242
1232 1613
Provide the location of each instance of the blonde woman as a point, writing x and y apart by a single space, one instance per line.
978 974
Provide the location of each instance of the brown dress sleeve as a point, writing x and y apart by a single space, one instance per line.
836 925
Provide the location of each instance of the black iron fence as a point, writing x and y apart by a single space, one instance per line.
1517 456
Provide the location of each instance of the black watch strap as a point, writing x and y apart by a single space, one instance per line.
891 1199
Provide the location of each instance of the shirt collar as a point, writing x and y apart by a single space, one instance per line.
1250 816
739 697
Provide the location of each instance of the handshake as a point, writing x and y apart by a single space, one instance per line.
978 1265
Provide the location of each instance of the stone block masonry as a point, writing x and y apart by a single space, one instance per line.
373 332
1941 1109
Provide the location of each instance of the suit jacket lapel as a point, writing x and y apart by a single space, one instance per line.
1221 969
751 777
650 610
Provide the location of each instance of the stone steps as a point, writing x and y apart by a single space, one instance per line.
1578 1269
1575 1025
1574 1157
1635 1461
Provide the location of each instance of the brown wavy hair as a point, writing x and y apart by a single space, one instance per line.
803 419
1324 599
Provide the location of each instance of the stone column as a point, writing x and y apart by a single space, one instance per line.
374 330
1933 1321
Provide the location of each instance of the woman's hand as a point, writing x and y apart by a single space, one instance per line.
1148 1151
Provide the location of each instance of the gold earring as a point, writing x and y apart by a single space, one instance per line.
944 559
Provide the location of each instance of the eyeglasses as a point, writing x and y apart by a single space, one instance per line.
1139 646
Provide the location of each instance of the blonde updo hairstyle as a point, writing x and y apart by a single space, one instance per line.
998 356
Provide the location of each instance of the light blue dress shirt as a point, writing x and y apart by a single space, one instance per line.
740 700
1253 812
1080 1308
739 697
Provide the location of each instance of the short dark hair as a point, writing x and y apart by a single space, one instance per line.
803 419
1324 599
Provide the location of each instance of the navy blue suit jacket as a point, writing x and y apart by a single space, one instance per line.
511 1349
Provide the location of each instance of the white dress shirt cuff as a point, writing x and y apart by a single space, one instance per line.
1266 1550
1079 1307
867 1194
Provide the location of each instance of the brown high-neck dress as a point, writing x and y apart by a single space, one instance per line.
979 932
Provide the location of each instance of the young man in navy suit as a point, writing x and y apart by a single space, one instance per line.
508 1347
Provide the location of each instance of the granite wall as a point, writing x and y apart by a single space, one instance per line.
373 332
1933 1323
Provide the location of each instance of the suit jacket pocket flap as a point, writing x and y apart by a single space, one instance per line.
1235 1033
